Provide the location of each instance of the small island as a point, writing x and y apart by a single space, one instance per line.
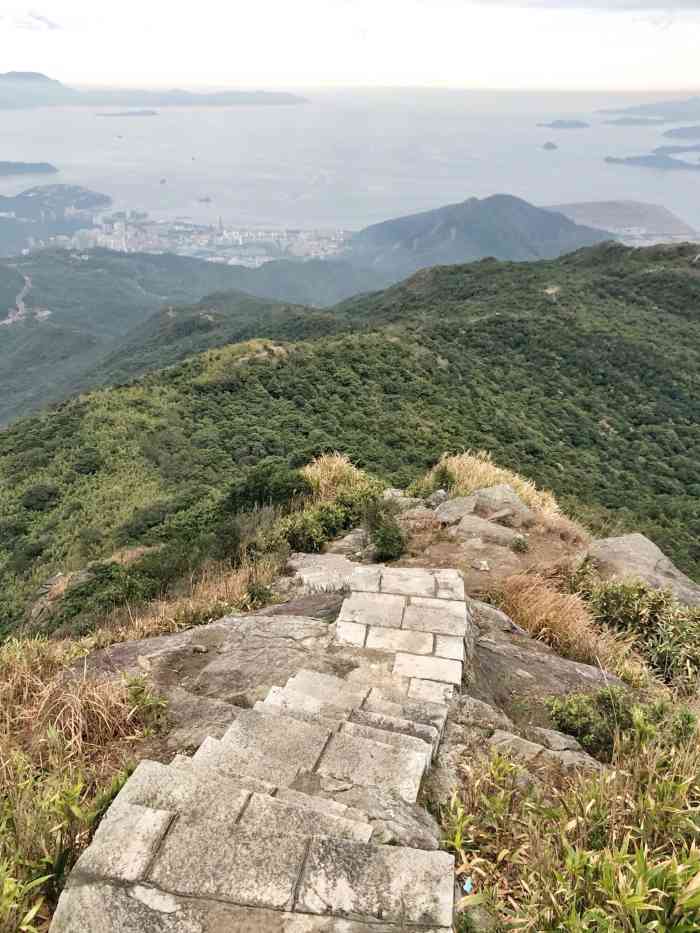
565 125
550 146
684 132
130 113
636 121
658 160
27 168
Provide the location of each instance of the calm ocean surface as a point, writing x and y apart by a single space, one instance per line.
347 159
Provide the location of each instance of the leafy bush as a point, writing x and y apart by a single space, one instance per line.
389 540
599 719
668 634
269 482
40 498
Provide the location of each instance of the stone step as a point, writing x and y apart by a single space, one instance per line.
274 748
277 711
193 795
321 804
266 812
419 730
407 887
96 907
200 767
328 689
442 670
293 701
396 740
364 763
386 703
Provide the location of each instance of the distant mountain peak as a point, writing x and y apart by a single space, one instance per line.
29 76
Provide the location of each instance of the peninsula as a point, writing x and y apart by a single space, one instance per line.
27 168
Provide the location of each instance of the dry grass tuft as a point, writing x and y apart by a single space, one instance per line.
562 620
474 470
332 474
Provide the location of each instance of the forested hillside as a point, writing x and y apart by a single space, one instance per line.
78 308
582 373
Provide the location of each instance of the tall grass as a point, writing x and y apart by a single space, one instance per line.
331 476
563 621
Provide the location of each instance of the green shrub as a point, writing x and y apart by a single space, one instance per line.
40 498
380 520
599 719
668 633
269 482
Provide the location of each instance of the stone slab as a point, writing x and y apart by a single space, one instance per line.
449 646
290 702
363 763
321 804
182 762
329 689
408 581
365 579
264 811
125 842
392 739
418 711
373 609
430 690
440 616
450 584
275 748
442 670
404 886
421 730
351 633
393 640
255 867
193 795
103 908
471 526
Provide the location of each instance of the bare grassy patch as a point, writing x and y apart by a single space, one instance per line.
466 472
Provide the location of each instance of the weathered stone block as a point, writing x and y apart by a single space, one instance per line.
430 690
263 811
450 584
125 842
329 689
392 739
373 609
351 633
449 646
452 511
247 867
363 762
392 639
378 882
408 581
442 670
441 616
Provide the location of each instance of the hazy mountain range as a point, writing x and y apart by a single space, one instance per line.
19 89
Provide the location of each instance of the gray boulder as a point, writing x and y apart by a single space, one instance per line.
635 556
437 498
471 526
452 511
500 503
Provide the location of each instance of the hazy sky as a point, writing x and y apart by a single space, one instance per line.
626 44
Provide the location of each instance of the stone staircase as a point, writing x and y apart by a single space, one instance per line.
252 833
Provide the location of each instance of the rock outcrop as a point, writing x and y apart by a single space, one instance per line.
636 557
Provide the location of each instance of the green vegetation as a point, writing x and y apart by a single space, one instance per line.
100 327
667 633
593 394
613 853
601 719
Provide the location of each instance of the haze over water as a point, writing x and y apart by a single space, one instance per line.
348 159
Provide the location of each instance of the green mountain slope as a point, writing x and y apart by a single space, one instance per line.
501 226
582 373
78 310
